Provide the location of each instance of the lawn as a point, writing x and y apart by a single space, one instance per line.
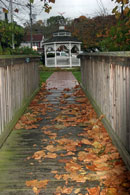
44 75
77 75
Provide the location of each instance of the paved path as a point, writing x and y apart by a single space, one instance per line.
60 147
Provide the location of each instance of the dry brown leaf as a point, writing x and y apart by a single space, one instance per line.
77 191
51 155
36 191
58 177
72 166
54 172
39 155
85 141
31 127
94 191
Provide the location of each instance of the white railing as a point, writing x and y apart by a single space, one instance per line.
62 62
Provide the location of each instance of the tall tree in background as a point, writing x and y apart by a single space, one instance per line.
88 29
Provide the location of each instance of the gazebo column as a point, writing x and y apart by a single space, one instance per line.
70 54
79 46
45 55
55 55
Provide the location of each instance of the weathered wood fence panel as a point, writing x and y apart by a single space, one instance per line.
106 79
18 81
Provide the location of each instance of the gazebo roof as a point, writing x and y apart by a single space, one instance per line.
60 36
62 39
61 30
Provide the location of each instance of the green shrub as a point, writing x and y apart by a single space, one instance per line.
24 50
18 51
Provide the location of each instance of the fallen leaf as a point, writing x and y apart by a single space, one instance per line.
85 141
51 155
94 191
77 191
39 155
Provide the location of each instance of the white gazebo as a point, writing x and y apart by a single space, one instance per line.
62 49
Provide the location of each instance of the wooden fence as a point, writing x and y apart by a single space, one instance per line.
18 81
106 80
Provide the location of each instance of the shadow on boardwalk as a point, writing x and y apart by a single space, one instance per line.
60 147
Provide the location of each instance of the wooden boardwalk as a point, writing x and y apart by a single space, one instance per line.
60 147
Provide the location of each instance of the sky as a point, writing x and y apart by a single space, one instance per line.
67 8
76 8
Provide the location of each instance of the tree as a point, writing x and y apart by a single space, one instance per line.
46 4
6 34
37 27
117 38
121 9
88 29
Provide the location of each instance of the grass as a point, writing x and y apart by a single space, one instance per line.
77 75
45 73
44 76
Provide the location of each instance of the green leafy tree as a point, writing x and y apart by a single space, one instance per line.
117 38
6 30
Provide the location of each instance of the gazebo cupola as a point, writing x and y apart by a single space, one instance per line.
62 49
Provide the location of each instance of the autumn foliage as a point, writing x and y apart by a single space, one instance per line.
88 29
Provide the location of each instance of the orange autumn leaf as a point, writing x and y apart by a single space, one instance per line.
19 126
72 166
51 155
31 183
39 155
37 184
86 157
51 148
77 191
64 190
67 190
58 177
36 191
81 100
94 191
32 127
54 172
85 141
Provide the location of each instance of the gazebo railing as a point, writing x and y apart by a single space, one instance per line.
75 61
51 62
62 62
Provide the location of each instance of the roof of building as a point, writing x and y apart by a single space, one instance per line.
62 39
36 37
61 30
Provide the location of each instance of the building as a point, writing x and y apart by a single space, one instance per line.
62 49
37 42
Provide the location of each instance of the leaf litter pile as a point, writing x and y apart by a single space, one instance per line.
75 154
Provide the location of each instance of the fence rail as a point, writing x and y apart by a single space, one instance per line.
106 78
18 81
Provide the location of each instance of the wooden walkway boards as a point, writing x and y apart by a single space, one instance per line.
59 146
